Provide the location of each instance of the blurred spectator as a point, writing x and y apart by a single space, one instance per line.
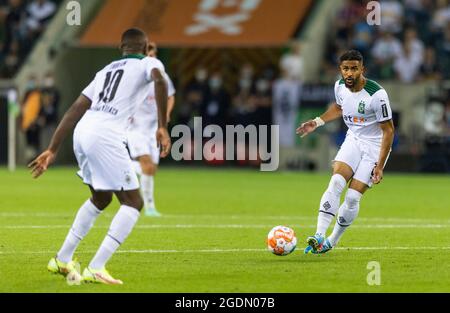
441 16
416 45
346 18
363 35
246 80
286 99
244 105
386 49
11 62
292 62
412 8
443 53
429 68
22 22
215 108
263 102
195 96
48 115
407 64
392 15
417 13
30 108
12 24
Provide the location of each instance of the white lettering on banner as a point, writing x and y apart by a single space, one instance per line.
227 24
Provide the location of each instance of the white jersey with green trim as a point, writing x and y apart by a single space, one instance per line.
362 111
145 119
116 93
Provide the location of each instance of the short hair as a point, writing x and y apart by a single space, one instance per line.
351 55
134 39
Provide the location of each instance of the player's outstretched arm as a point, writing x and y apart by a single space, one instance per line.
68 122
386 143
333 112
162 135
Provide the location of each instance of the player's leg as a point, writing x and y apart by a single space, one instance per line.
344 166
121 226
329 204
362 180
84 220
148 168
348 211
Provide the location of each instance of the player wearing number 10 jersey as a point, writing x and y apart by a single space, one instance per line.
364 106
101 114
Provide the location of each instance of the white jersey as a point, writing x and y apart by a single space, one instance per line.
145 119
363 110
116 92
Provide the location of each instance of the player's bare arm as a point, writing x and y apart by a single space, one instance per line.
388 137
162 135
68 122
333 112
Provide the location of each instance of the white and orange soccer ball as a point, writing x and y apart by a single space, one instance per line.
281 240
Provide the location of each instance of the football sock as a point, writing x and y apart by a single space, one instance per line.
329 204
121 226
147 184
347 214
83 222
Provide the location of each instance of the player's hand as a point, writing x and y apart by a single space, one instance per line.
163 140
306 128
377 175
40 164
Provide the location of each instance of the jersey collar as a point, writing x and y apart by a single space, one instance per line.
133 56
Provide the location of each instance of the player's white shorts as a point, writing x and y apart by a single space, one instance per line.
140 144
104 163
361 156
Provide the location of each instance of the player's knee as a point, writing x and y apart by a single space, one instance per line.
148 168
352 198
137 203
134 202
101 201
337 184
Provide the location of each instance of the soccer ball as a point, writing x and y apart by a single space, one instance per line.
281 240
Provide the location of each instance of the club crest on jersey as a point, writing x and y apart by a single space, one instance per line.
361 107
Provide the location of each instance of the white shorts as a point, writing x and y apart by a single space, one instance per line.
140 144
361 156
104 162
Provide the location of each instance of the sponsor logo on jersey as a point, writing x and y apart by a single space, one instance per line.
361 107
354 119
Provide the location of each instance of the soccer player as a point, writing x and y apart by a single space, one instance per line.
142 140
101 116
364 106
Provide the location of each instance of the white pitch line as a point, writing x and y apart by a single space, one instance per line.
243 226
233 217
156 251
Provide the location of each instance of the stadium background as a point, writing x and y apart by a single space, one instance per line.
210 237
291 44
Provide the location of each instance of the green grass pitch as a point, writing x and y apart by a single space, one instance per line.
212 235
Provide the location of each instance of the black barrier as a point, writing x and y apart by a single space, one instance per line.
229 302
